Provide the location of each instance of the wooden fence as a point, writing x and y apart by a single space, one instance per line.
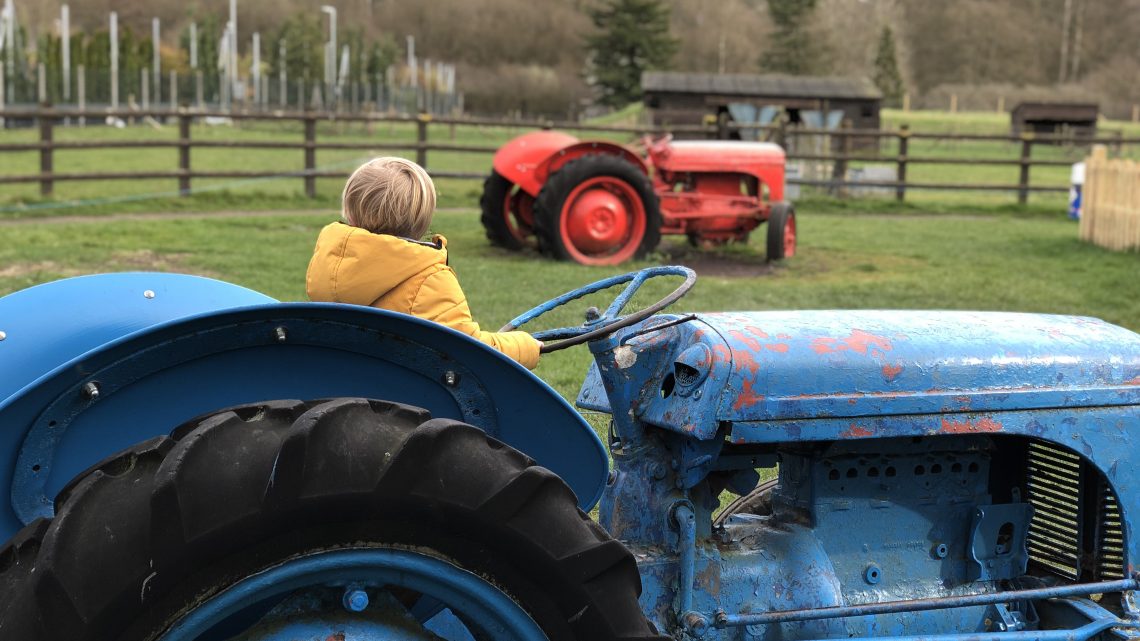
840 152
1110 207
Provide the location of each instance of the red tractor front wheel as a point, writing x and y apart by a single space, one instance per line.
508 213
781 232
598 210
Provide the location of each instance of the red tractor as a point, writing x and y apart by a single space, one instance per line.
601 203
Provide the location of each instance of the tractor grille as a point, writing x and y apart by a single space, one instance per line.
1110 543
1058 484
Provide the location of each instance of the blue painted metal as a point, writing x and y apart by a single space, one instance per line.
51 324
869 507
173 371
997 541
482 606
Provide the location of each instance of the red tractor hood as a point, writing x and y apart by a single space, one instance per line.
716 155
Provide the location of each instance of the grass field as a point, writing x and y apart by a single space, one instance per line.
845 261
286 193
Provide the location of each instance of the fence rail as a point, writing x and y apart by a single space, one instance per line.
1110 213
841 144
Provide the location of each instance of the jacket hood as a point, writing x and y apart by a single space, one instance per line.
353 265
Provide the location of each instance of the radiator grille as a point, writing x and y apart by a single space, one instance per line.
1054 484
1061 533
1110 543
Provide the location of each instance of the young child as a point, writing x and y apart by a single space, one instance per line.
375 257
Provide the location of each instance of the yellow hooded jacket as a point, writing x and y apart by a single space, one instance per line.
353 265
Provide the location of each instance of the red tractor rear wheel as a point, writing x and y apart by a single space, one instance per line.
598 210
508 213
781 232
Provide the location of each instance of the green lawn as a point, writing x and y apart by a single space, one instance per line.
845 261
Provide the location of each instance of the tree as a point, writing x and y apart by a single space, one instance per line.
791 47
633 36
887 76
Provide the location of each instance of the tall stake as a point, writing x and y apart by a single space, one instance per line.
255 69
65 48
114 60
156 61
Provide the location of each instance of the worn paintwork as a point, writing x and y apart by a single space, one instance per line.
884 425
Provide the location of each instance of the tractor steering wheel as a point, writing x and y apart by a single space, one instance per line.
609 321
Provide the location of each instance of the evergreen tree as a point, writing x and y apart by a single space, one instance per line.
633 36
887 76
791 47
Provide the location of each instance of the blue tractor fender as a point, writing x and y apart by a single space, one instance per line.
91 365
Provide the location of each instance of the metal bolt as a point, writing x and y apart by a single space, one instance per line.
450 378
148 293
91 390
281 334
355 600
1001 627
872 574
3 335
592 314
940 551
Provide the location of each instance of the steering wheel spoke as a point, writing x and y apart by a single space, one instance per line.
610 321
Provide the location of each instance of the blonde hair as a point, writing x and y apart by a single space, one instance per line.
389 195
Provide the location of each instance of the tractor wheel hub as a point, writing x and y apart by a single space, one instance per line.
598 220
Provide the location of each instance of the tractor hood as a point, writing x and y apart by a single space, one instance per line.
779 366
718 155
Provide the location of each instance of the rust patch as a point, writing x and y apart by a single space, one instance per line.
782 348
747 397
747 339
756 331
746 361
856 432
858 341
890 372
982 426
1134 381
721 353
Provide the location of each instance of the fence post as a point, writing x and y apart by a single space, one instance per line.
839 172
184 121
900 178
421 139
310 155
1023 181
46 170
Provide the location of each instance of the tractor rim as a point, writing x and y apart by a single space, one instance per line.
603 221
790 237
321 594
518 213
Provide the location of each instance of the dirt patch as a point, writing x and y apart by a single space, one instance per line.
19 270
146 260
715 262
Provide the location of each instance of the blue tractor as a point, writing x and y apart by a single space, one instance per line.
942 476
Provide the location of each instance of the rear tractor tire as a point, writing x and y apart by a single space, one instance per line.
328 514
781 232
598 210
507 213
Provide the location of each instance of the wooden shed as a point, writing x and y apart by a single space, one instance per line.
682 98
1060 118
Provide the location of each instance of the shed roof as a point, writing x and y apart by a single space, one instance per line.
766 85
